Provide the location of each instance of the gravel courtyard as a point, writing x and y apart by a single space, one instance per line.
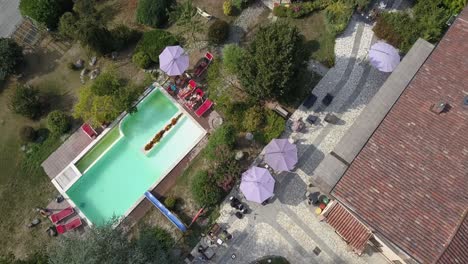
288 226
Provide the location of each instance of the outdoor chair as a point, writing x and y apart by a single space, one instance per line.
57 217
204 108
75 223
327 99
281 111
312 119
310 101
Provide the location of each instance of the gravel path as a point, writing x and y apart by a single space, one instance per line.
245 21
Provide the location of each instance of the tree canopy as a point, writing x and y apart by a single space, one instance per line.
105 99
47 12
105 244
153 43
11 56
58 122
153 12
272 62
233 58
26 101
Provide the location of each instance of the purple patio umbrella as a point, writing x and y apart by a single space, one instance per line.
173 60
281 155
257 184
384 57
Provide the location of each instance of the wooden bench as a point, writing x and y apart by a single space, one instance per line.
281 111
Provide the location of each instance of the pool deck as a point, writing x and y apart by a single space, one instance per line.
66 153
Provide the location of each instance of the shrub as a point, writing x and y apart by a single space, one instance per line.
11 56
204 189
280 11
225 135
337 15
123 36
233 56
58 122
227 7
153 12
47 12
67 25
239 4
384 30
218 32
254 118
141 59
25 101
28 134
170 202
153 43
274 127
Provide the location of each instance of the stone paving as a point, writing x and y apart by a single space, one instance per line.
288 225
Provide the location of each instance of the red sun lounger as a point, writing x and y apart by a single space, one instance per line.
200 69
195 99
204 107
75 223
57 217
89 130
187 90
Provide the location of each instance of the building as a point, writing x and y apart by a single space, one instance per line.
402 169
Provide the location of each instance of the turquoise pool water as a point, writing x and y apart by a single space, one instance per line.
121 176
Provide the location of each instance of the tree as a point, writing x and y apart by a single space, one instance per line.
272 61
67 25
102 109
205 190
106 83
47 12
218 32
11 55
94 35
58 122
185 16
153 43
25 101
153 12
105 244
233 57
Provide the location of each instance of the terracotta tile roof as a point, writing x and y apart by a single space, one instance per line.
457 251
410 181
349 228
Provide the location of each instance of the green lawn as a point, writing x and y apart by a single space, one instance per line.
98 149
319 41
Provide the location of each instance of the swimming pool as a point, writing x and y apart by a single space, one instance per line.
118 179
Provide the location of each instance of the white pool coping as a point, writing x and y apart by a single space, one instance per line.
118 121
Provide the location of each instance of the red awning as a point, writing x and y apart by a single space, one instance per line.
355 233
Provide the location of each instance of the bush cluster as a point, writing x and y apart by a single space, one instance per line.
274 126
227 7
46 12
11 56
153 12
153 43
58 122
141 59
218 32
337 15
170 202
427 21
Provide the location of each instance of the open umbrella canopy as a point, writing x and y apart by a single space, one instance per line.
257 184
281 155
384 57
173 60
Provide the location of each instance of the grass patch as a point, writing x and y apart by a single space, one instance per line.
320 42
98 149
